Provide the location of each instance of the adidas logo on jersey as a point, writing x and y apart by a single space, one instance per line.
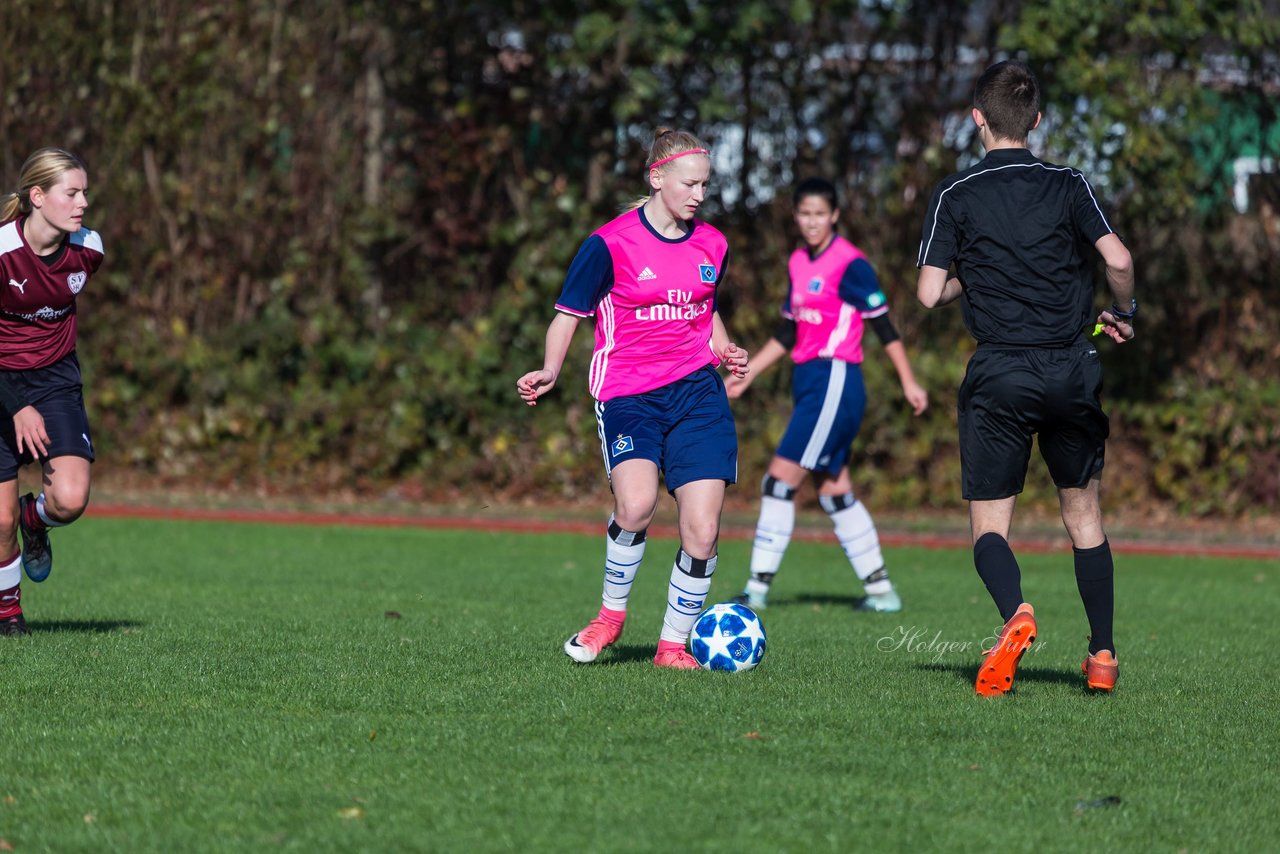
646 275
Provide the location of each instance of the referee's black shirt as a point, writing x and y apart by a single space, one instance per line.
1020 232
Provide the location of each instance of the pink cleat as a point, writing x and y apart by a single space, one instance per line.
677 658
591 641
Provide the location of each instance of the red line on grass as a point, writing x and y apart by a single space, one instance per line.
571 526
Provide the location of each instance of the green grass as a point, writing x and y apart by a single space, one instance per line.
211 686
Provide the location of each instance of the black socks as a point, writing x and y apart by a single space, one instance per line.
1095 573
999 570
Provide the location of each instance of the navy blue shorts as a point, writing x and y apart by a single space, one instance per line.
685 428
829 401
56 393
1008 396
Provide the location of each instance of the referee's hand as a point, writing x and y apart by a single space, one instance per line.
1116 329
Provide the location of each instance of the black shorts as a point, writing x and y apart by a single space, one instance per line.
1010 395
56 393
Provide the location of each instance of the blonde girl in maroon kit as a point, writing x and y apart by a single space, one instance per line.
47 257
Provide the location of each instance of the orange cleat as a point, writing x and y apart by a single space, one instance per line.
1101 670
995 676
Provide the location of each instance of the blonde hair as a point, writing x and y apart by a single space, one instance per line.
667 145
42 169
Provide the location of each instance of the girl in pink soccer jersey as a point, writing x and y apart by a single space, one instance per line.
833 295
649 280
46 258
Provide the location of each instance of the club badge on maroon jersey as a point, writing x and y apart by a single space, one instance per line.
76 281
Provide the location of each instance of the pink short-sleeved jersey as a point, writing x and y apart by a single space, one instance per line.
827 326
652 299
38 299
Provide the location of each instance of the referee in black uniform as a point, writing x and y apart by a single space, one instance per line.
1017 232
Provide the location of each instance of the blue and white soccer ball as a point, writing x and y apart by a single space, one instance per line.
728 636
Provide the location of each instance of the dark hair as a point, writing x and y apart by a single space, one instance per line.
815 187
1008 96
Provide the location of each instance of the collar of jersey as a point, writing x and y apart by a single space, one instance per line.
834 237
693 224
1011 154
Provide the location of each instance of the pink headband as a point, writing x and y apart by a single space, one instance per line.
657 163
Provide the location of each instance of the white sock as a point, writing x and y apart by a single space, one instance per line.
11 573
774 528
623 552
686 595
857 535
44 517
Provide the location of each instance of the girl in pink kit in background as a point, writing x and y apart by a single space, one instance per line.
649 280
834 295
47 257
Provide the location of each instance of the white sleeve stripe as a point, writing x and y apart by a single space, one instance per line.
9 239
88 239
600 360
1088 189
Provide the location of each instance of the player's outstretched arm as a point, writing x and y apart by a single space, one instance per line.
911 390
535 384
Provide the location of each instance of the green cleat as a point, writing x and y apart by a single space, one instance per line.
881 603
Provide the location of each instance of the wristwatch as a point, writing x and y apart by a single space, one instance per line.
1127 316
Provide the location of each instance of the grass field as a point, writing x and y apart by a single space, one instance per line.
212 686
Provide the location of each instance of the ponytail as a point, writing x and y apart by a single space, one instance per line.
11 205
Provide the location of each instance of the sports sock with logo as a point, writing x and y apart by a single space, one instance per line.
999 570
10 594
774 528
686 594
1095 575
857 535
623 552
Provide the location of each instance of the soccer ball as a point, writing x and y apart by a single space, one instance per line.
728 636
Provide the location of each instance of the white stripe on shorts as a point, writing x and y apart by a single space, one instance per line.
604 448
827 417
